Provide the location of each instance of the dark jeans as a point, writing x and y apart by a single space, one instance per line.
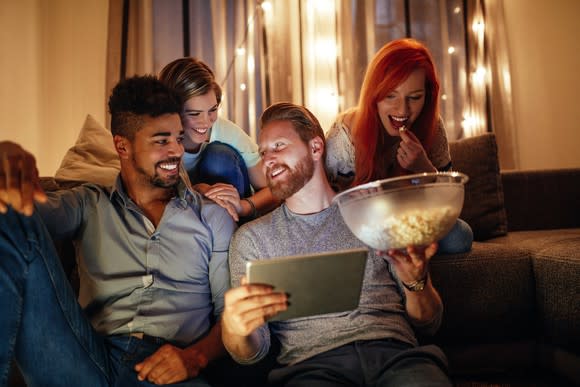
458 240
384 363
221 163
42 325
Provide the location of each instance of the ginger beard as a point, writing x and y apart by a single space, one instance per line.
293 180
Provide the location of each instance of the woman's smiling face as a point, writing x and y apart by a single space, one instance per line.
199 114
402 106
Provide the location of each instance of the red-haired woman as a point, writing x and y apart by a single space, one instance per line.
395 130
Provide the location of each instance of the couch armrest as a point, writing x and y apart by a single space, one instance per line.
542 199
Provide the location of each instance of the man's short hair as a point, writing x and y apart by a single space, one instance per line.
304 122
136 98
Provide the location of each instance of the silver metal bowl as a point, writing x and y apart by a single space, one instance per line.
402 211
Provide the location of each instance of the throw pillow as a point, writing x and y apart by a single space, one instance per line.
92 158
483 207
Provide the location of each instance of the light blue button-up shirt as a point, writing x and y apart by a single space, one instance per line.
167 281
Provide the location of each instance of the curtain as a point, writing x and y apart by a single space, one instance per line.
315 53
503 122
145 35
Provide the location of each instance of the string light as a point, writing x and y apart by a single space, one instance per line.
479 75
451 50
478 26
266 6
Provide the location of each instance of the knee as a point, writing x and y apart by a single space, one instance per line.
458 240
19 233
219 158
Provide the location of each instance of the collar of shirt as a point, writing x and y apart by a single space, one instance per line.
185 194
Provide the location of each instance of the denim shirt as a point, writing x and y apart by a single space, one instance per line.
167 281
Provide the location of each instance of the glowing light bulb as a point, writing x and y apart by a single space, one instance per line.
240 51
479 75
478 26
266 6
451 49
243 87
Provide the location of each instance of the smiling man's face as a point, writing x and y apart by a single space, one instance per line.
157 149
287 162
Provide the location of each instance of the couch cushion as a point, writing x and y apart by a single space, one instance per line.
483 208
556 262
488 294
92 158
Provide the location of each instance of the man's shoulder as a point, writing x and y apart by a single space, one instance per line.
213 211
262 228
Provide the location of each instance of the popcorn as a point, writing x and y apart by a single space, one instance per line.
414 227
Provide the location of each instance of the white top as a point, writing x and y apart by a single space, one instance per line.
340 152
226 131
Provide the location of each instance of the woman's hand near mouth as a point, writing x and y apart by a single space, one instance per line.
411 155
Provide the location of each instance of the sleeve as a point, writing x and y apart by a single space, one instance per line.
439 152
340 154
427 328
243 249
63 212
222 226
227 132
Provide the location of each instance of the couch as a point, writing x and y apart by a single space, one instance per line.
512 304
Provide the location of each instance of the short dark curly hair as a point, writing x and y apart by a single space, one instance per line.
135 98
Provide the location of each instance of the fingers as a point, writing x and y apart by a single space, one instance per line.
166 365
229 207
227 196
19 184
249 306
408 136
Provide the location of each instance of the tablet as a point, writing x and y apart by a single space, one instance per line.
317 283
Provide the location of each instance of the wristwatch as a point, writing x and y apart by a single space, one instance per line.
416 286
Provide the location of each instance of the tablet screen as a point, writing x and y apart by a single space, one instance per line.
317 283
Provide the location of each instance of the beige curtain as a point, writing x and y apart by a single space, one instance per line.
500 92
315 53
145 35
130 41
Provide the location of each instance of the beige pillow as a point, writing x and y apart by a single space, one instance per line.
92 158
483 207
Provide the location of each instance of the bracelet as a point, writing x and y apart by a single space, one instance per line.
253 206
416 286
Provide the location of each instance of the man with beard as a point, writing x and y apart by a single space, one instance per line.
372 345
152 260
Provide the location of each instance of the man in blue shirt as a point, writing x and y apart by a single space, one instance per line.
152 261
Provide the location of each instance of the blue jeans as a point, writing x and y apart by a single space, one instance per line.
222 163
458 240
384 363
42 325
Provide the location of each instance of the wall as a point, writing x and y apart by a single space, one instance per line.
52 72
545 61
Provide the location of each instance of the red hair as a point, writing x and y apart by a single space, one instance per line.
391 66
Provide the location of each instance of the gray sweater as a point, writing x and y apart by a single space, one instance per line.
381 313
